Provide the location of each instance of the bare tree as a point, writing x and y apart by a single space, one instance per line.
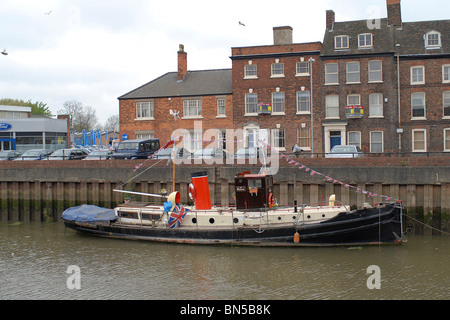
82 117
112 124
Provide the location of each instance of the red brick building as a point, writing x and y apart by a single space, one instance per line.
382 84
272 90
202 98
397 73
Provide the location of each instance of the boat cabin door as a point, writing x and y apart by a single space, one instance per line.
253 191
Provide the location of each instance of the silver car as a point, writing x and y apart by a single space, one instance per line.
345 152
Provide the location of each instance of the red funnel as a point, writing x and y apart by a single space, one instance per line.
201 196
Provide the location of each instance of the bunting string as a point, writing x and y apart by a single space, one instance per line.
290 161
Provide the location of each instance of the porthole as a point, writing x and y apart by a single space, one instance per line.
294 217
211 220
308 216
194 220
235 220
323 215
279 218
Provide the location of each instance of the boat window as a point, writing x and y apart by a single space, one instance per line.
148 216
130 215
255 183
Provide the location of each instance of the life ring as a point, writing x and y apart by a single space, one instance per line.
191 191
270 200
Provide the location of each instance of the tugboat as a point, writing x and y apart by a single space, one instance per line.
255 220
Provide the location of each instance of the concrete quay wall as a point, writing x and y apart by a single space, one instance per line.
36 191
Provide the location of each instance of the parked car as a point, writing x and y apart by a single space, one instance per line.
34 154
68 154
247 153
9 155
209 153
136 149
99 154
180 153
345 152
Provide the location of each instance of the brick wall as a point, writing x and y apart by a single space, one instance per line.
264 86
434 123
164 126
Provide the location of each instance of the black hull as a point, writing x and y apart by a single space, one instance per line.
371 226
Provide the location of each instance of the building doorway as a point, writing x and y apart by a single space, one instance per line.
7 144
335 139
334 134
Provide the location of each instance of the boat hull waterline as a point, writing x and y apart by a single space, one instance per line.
373 226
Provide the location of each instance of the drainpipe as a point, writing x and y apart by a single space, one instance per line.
311 60
399 129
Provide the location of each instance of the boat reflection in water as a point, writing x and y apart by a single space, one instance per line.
256 220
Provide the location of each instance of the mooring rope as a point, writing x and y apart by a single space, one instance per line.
426 225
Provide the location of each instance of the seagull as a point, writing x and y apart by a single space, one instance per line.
240 23
4 52
48 13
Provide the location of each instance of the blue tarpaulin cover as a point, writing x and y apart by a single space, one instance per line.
89 213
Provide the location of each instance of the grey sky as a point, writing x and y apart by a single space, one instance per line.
96 51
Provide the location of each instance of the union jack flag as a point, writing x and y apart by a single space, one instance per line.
177 216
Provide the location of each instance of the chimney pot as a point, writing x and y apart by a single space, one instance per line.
282 35
182 63
330 19
394 12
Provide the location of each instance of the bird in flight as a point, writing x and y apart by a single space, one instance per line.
4 53
240 23
48 13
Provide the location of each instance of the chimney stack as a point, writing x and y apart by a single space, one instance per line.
282 35
330 20
394 13
182 63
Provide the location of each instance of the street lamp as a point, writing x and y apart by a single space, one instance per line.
311 60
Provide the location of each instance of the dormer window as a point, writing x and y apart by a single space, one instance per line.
433 40
365 41
341 42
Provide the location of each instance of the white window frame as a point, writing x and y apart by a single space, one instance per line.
446 73
362 41
221 108
298 69
330 109
357 141
193 140
304 138
250 74
376 108
278 103
192 109
141 106
413 140
279 139
353 73
427 40
334 74
373 72
247 97
447 141
303 102
424 106
446 102
277 70
371 141
350 96
416 81
339 42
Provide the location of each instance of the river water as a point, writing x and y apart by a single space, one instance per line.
37 261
